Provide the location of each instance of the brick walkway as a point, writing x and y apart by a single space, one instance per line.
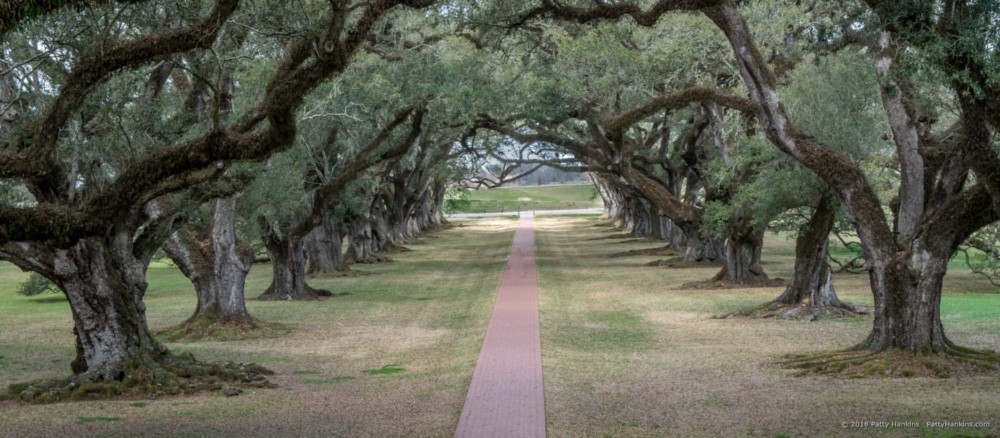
505 398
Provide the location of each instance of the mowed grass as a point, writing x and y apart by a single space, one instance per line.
526 198
627 353
393 358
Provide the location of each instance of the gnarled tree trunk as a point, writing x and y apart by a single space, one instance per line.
217 264
907 292
361 241
701 248
671 233
288 262
743 250
105 285
324 247
812 281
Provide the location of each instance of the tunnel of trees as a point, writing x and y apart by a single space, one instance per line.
328 133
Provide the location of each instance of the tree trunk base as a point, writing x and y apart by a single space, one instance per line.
392 248
683 262
208 327
721 281
658 251
861 363
352 258
797 312
340 273
308 294
169 375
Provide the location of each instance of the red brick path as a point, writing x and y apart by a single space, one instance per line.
505 399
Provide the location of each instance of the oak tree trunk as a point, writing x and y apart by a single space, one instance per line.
907 292
324 248
105 286
288 262
743 250
217 264
361 241
701 248
641 218
812 281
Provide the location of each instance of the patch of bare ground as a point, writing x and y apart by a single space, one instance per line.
628 353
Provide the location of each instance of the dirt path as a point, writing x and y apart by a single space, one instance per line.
505 397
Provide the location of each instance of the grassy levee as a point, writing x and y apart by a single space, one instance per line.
393 358
628 353
526 198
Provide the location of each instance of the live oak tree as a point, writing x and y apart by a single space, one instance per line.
284 232
90 226
836 99
598 113
948 175
210 252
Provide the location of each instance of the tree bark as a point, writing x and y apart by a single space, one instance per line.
812 281
105 286
364 241
217 264
288 263
701 248
324 248
743 251
907 293
641 217
671 233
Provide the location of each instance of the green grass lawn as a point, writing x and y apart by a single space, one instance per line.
392 358
523 198
626 350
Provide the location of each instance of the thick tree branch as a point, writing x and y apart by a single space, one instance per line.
612 10
93 69
677 100
365 158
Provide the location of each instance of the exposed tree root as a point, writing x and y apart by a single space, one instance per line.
352 258
172 375
392 248
309 293
681 262
726 284
604 225
957 361
797 312
216 328
614 236
375 259
658 251
338 274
